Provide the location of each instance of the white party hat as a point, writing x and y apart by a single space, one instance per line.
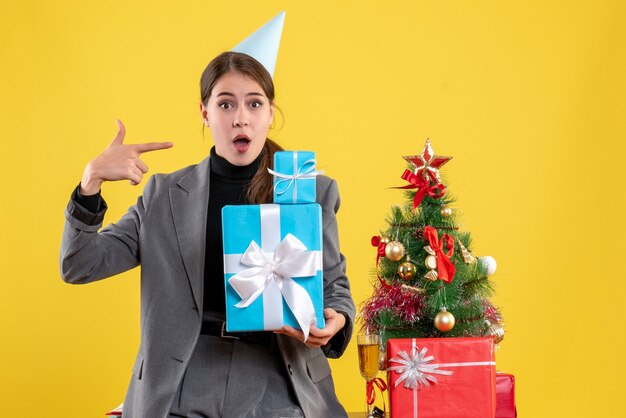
263 44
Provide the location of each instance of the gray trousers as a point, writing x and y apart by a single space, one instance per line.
231 379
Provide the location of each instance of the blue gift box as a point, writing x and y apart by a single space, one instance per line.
261 243
294 177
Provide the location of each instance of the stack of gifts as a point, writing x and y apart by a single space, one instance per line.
448 377
273 253
442 377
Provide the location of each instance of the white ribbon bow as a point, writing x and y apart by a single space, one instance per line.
415 370
305 171
290 259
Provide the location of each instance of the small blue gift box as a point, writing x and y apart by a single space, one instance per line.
294 177
273 266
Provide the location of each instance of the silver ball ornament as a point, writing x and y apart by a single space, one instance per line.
488 263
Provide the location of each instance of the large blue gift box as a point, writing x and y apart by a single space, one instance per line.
294 177
273 266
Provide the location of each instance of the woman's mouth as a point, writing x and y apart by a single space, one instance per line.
241 143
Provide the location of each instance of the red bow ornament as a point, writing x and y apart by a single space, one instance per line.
445 267
377 241
423 187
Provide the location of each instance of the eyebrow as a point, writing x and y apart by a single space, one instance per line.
227 93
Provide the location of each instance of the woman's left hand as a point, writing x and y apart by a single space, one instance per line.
318 336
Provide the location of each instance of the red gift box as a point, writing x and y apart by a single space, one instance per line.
505 396
441 377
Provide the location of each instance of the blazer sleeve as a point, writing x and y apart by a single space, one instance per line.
336 286
88 255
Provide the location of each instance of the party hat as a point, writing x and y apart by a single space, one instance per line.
263 44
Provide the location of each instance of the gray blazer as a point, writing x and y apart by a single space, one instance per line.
165 232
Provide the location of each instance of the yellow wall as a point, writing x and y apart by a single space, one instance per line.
529 98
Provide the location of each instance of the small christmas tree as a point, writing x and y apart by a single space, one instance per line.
428 281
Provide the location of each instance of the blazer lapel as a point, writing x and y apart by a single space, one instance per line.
189 201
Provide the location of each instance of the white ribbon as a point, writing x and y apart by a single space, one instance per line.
416 370
305 171
290 259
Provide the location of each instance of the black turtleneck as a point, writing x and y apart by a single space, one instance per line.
228 185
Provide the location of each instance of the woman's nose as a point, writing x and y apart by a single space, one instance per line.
241 119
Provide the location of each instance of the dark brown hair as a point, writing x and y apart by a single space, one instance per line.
260 186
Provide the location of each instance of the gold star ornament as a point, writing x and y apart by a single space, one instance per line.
427 164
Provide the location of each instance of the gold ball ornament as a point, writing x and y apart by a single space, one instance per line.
444 320
446 211
407 270
394 251
382 358
496 332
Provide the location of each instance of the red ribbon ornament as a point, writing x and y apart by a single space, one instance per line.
370 392
377 241
423 187
445 267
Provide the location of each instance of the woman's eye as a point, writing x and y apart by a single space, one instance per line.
255 104
225 105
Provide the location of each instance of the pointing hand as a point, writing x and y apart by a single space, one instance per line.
118 161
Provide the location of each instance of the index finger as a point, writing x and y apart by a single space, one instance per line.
152 146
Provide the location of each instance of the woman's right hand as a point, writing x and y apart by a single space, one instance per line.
118 162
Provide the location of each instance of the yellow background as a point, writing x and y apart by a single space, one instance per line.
529 98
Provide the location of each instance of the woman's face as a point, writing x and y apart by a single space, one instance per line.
239 115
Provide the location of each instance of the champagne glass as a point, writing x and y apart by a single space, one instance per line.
368 345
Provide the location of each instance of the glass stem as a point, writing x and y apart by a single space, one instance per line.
368 408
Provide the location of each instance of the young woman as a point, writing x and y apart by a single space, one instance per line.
187 365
